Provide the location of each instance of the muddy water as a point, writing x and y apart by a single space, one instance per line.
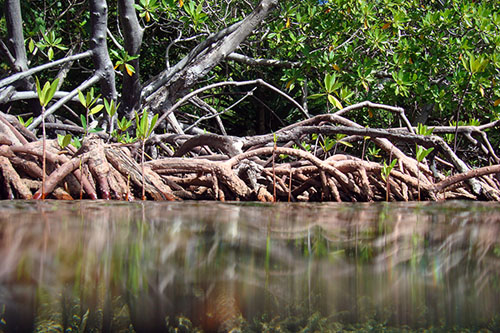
100 266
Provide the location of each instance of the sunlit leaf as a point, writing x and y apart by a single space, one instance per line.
28 122
52 90
287 25
130 69
345 143
96 109
365 85
31 45
82 98
315 96
89 97
153 123
63 140
422 153
335 101
50 53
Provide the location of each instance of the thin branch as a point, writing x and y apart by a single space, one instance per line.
262 62
24 95
227 83
175 41
369 104
5 50
113 39
13 78
213 114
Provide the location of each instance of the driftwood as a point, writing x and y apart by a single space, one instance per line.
264 167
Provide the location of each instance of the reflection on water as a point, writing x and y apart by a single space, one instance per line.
98 266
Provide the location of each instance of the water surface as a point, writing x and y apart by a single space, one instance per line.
101 266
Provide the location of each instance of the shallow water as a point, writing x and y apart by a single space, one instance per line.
101 266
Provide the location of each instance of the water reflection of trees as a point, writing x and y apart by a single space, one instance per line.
134 264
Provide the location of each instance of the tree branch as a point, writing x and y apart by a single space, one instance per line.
369 104
204 57
261 62
13 78
226 83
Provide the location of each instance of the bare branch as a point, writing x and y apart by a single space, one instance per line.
369 104
13 78
227 83
262 62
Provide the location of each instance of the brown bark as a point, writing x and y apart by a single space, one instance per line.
12 180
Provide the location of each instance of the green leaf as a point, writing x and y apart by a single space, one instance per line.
424 130
422 153
332 99
82 98
329 81
39 92
63 140
84 122
138 125
315 96
45 90
31 45
107 105
89 97
52 90
96 109
28 122
393 163
465 63
345 143
386 169
144 123
76 143
50 53
153 122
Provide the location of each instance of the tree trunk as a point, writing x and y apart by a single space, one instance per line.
14 22
99 47
15 34
133 32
